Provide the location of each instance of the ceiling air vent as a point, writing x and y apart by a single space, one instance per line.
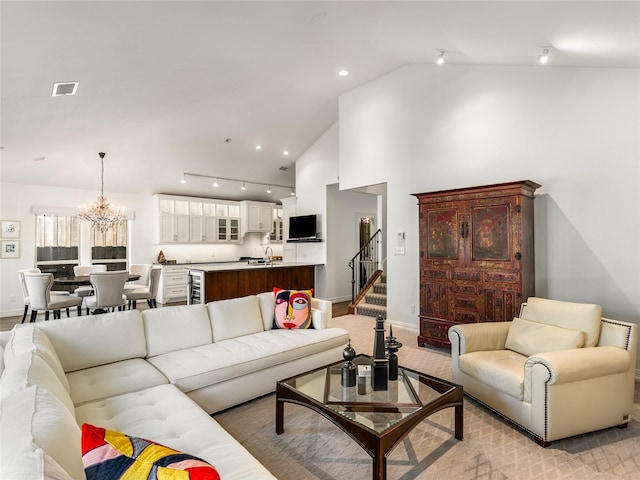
66 88
284 168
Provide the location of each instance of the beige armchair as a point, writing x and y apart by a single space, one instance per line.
557 371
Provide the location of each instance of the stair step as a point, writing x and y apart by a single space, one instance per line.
370 310
380 288
376 299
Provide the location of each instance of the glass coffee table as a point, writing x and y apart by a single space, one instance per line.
376 420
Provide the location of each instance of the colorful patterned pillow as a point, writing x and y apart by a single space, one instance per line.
293 309
110 455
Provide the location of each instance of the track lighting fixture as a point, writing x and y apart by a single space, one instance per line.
243 183
543 58
293 193
440 57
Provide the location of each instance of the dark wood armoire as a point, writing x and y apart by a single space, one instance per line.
476 256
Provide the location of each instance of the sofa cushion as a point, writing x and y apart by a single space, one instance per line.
572 316
103 381
174 328
267 301
235 317
34 465
501 369
27 338
33 418
83 342
292 309
29 369
169 417
210 364
111 455
529 338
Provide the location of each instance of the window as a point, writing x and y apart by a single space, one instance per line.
110 247
56 244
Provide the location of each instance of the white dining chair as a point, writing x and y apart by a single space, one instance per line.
81 270
25 291
147 293
141 269
40 298
109 291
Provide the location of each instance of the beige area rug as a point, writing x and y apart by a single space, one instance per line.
311 447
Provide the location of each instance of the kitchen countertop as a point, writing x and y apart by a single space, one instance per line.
217 267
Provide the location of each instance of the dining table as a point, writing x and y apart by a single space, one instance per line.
80 280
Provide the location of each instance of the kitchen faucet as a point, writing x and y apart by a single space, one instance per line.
269 257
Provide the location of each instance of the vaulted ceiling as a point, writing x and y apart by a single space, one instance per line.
168 87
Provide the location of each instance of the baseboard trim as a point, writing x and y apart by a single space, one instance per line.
406 326
12 313
344 298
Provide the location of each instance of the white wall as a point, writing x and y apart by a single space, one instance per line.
15 204
575 131
315 169
343 208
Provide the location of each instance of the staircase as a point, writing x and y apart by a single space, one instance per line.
375 300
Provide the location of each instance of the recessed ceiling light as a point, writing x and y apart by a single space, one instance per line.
215 183
258 147
64 88
286 152
228 140
243 187
343 72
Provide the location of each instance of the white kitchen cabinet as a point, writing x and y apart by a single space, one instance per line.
197 220
257 217
277 228
173 219
173 285
202 222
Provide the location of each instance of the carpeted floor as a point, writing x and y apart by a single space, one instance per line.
311 447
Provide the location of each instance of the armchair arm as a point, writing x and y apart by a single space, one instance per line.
566 366
473 337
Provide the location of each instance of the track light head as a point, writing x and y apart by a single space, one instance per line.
543 58
440 57
243 187
183 179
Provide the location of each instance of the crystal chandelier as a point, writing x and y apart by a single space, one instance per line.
101 213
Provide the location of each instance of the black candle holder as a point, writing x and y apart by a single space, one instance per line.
348 369
392 345
380 376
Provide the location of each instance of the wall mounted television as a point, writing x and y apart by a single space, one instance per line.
302 228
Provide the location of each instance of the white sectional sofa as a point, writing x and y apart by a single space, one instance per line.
155 374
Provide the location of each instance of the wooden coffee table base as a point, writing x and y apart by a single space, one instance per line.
378 445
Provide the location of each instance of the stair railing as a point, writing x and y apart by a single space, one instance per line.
364 264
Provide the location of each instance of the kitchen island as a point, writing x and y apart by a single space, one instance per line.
208 283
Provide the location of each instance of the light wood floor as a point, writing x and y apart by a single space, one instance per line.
7 323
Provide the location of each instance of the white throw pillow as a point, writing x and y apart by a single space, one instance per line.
33 418
572 316
528 338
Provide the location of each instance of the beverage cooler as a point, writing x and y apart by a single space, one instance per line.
196 287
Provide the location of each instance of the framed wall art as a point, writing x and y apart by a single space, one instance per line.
10 229
10 249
